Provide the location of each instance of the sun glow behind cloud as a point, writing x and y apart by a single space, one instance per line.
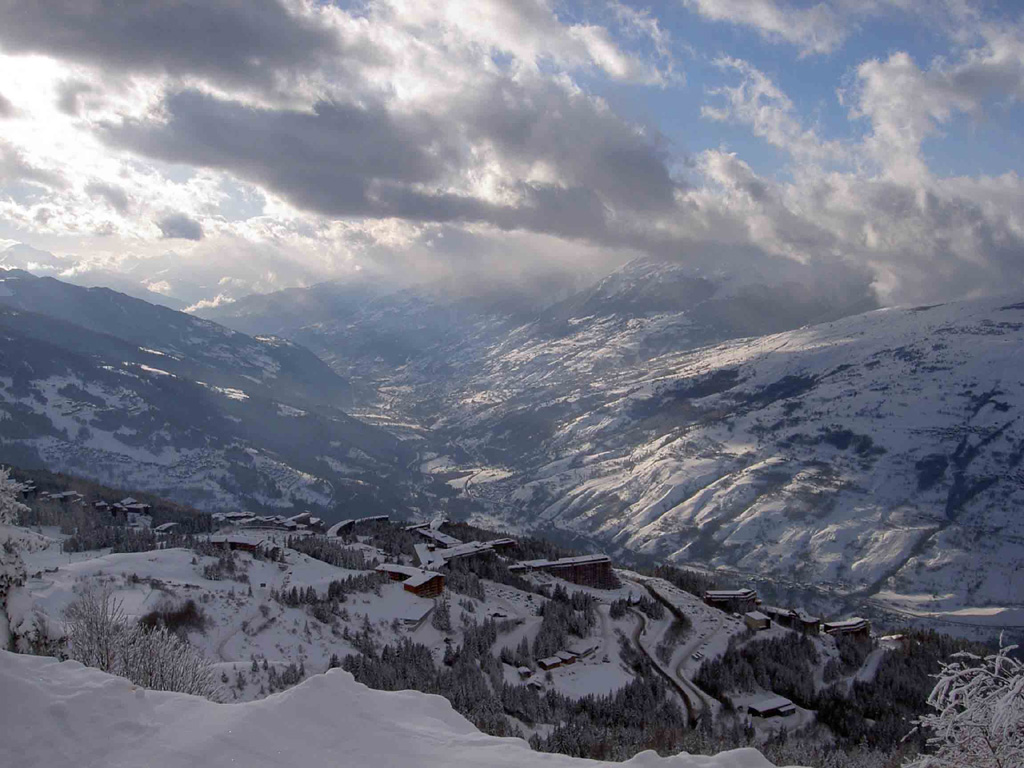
415 139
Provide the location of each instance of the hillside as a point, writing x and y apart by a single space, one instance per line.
877 452
110 388
63 714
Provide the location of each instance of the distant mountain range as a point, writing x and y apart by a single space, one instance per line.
121 391
769 424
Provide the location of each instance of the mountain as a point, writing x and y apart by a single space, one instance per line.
761 423
182 344
99 384
880 454
45 264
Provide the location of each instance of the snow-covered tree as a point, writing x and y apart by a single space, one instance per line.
979 713
10 504
12 567
100 635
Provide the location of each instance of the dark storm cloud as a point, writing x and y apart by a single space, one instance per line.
116 197
591 147
238 41
180 226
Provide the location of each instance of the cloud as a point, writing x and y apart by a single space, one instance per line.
6 107
820 28
233 42
14 167
560 159
815 29
180 226
759 103
907 104
531 31
112 194
68 96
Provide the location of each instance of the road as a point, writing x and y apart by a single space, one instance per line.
684 694
706 703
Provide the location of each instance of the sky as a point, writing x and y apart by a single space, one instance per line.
202 150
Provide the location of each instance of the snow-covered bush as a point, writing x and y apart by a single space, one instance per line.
100 635
979 713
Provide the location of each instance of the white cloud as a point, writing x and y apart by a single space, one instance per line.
759 103
816 29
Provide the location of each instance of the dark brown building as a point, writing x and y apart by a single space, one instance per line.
586 570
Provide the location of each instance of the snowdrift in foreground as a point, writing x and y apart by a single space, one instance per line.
63 714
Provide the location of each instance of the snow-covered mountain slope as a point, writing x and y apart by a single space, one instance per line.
881 451
63 714
166 403
179 343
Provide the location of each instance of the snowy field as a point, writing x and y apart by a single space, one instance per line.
59 715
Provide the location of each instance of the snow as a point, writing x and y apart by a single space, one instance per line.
59 714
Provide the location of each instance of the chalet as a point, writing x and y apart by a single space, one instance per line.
28 489
858 627
167 527
67 497
804 622
732 600
503 543
100 505
267 548
756 621
566 657
138 520
584 649
417 614
793 618
771 705
416 580
129 504
551 662
586 570
524 672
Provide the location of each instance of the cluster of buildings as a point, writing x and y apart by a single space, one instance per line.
135 513
564 658
439 548
131 511
757 616
303 521
61 497
792 618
